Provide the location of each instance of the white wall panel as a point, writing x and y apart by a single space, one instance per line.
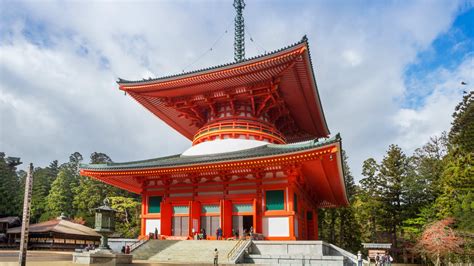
276 226
151 224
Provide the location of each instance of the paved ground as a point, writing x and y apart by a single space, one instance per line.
57 258
49 258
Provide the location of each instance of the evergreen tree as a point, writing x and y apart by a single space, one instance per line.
368 202
42 180
90 193
462 130
9 188
458 187
392 184
60 196
349 229
457 180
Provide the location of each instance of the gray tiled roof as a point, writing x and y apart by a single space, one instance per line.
178 159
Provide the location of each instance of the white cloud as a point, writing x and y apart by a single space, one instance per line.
68 99
416 125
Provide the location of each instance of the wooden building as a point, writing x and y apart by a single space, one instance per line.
57 234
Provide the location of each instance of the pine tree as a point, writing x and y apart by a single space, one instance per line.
457 180
42 180
60 195
368 202
349 228
393 177
462 131
9 187
89 193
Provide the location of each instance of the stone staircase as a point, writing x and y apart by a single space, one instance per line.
184 251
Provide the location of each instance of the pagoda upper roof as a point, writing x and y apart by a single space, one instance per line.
290 67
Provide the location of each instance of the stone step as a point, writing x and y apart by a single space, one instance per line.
197 251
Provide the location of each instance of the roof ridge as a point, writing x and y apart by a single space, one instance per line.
264 150
304 39
121 163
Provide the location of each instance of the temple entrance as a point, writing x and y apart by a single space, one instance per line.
247 222
210 224
180 225
242 224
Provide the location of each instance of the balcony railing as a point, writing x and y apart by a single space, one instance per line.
255 129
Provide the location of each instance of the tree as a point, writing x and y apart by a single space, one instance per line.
127 216
392 179
368 201
439 240
10 199
42 180
462 131
60 197
89 193
457 189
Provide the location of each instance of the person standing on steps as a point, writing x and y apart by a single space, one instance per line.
219 233
216 256
359 258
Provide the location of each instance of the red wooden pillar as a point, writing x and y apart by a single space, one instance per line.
257 205
195 217
226 218
289 201
166 215
143 212
315 221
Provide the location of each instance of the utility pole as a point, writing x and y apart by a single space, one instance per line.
239 37
26 216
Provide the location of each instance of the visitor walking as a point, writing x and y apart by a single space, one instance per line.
127 249
359 258
389 259
216 256
219 233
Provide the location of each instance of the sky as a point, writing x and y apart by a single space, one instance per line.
388 72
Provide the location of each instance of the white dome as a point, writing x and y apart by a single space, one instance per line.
223 145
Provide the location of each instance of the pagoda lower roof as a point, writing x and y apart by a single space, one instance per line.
320 163
179 160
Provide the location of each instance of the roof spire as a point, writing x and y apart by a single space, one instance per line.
239 38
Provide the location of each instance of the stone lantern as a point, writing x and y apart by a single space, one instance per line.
105 223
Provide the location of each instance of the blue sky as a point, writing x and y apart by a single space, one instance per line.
387 71
447 51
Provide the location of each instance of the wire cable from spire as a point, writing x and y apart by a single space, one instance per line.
257 44
214 44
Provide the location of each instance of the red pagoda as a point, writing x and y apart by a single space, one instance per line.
260 158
